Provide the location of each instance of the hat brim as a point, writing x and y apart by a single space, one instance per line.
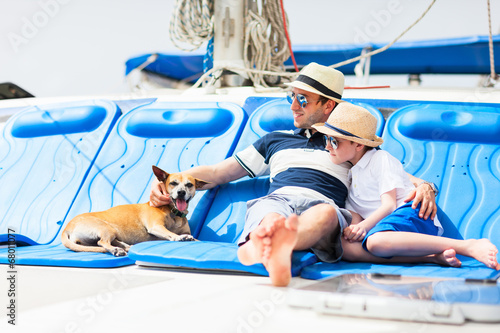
320 127
306 87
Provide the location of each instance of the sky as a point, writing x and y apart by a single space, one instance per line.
79 47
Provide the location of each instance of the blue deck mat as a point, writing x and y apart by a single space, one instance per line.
226 218
45 153
456 147
174 136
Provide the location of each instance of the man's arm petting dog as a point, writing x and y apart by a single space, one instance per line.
116 229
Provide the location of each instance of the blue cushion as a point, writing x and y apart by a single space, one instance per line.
58 255
209 256
455 147
45 153
470 269
122 172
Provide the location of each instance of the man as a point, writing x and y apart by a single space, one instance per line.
304 207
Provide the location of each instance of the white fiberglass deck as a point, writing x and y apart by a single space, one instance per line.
136 299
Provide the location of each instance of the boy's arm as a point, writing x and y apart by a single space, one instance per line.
357 232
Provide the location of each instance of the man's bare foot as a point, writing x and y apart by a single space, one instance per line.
447 258
283 242
484 251
258 248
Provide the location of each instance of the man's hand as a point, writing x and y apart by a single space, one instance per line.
158 196
424 195
354 233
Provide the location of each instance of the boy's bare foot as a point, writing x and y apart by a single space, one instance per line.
447 258
484 251
258 248
283 242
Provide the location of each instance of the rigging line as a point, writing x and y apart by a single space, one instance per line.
493 74
288 74
231 68
288 36
382 49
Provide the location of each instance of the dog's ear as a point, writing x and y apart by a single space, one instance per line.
160 174
200 183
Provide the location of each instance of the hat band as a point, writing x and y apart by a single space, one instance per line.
318 86
341 131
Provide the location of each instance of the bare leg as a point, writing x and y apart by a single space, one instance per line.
355 252
272 244
389 243
273 241
316 226
313 228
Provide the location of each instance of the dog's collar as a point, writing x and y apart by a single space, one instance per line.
178 213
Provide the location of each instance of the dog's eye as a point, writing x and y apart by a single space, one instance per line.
189 185
174 183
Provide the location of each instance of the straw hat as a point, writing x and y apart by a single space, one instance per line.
353 123
321 80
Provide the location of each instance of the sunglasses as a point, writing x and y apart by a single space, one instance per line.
301 99
330 139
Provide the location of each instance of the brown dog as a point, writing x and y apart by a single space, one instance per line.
116 229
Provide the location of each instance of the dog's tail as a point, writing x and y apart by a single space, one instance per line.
78 247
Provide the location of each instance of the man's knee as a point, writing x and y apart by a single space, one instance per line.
327 212
329 215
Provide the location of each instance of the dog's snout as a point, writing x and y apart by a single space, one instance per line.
181 194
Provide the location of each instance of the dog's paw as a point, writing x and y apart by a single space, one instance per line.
119 252
185 238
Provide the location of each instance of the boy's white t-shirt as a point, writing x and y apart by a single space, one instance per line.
376 173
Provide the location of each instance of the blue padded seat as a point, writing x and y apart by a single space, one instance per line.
174 136
45 154
226 217
456 147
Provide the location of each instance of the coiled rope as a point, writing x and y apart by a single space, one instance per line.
265 47
191 23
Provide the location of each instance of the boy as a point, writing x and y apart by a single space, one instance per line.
384 224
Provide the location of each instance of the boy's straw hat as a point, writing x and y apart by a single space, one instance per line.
321 80
353 123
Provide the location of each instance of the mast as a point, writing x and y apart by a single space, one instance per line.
229 36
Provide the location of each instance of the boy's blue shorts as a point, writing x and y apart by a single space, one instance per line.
405 219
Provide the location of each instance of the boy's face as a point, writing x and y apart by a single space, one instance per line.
345 151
